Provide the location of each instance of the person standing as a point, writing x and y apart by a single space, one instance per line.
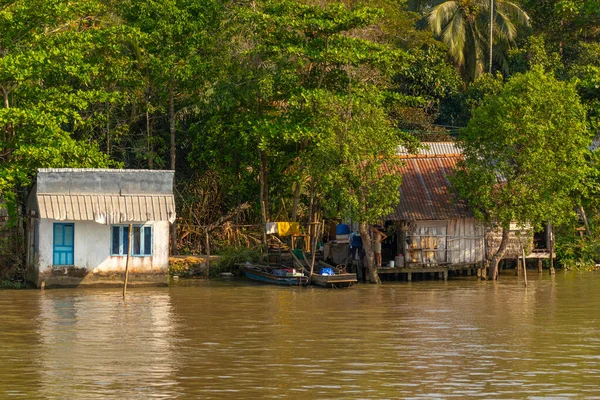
378 237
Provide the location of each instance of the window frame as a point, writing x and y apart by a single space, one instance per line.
142 240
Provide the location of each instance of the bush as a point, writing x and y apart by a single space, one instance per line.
230 256
575 252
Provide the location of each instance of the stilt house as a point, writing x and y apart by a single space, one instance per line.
433 227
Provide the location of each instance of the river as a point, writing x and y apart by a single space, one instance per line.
234 339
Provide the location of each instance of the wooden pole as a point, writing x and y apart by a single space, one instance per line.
207 253
552 251
314 251
264 218
524 266
129 234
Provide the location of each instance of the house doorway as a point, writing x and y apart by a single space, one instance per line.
63 244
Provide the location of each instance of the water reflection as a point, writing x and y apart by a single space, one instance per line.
94 345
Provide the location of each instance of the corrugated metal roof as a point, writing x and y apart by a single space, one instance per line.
106 209
104 181
425 191
431 149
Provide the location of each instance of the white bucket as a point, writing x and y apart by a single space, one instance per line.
392 264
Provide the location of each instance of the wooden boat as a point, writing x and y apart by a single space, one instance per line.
262 273
340 278
334 281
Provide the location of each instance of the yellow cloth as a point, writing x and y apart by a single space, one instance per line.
288 228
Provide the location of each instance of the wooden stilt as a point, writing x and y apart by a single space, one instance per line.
540 265
409 276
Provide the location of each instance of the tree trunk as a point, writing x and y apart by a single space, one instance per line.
493 271
264 184
368 244
150 147
585 220
8 131
296 200
174 250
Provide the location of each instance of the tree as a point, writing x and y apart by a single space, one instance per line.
524 155
52 84
300 108
174 50
354 165
464 27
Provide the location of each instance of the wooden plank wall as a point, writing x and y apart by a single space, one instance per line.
465 241
459 241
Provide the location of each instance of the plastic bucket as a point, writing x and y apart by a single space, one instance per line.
392 264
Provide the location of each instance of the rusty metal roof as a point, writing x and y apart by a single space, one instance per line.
425 193
106 209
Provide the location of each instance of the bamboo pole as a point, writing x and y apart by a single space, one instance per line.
130 235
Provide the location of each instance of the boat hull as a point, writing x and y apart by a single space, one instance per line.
340 280
258 275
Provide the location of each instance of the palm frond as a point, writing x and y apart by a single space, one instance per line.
454 36
506 30
441 14
513 12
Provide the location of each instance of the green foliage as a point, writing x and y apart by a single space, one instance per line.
287 79
48 73
575 252
525 152
5 284
230 256
535 54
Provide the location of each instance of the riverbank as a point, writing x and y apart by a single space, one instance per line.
7 284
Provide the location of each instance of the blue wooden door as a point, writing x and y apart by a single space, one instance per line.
64 238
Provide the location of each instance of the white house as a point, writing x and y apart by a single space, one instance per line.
78 223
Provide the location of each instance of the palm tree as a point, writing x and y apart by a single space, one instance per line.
464 25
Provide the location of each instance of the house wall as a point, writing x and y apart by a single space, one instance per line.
520 237
465 241
94 264
455 242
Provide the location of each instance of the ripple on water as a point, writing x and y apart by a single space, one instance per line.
426 339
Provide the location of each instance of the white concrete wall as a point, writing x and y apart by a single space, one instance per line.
92 248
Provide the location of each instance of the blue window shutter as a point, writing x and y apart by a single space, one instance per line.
147 240
125 239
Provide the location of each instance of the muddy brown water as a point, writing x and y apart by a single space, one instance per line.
236 340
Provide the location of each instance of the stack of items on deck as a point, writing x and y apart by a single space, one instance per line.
342 233
287 272
338 250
